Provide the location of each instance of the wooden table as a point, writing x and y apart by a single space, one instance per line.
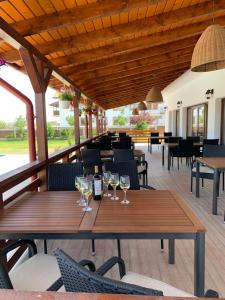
19 295
168 146
150 215
137 153
218 165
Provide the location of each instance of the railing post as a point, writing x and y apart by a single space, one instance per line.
39 76
90 133
76 101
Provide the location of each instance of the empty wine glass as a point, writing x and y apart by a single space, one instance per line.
78 180
114 182
125 185
87 191
106 181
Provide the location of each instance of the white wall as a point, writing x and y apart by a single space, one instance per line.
190 88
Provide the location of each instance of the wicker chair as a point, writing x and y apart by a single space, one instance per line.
205 172
38 273
76 278
61 176
123 155
91 158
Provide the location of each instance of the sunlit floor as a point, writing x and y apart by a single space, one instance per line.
144 256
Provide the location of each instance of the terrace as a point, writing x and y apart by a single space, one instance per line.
103 55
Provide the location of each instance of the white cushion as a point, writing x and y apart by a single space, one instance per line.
36 274
141 168
203 169
148 282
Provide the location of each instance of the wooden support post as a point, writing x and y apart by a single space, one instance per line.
86 125
90 133
97 121
39 75
104 122
76 101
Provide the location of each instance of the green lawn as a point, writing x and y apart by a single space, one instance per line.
21 147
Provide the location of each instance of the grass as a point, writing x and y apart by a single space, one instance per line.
21 147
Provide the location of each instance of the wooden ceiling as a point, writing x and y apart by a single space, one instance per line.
113 50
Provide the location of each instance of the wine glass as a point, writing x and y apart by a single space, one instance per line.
114 182
78 180
106 181
125 185
87 191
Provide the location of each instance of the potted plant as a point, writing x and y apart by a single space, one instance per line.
65 98
88 109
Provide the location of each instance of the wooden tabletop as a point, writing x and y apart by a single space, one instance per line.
109 153
213 162
19 295
170 145
57 212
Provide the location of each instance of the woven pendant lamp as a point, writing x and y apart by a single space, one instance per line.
209 51
135 112
154 95
141 106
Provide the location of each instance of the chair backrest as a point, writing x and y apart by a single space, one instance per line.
95 145
122 134
214 151
105 143
76 278
185 148
61 176
174 139
5 282
125 168
169 133
120 155
91 158
125 142
195 139
152 134
210 142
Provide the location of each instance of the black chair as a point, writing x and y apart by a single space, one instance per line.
205 172
123 155
174 139
95 145
185 149
91 158
105 143
122 134
195 139
199 152
153 141
61 176
169 133
38 273
77 278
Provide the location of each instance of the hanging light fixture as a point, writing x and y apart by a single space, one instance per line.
154 95
209 52
135 112
141 106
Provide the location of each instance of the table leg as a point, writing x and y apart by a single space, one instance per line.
215 191
197 179
199 265
163 153
171 251
168 159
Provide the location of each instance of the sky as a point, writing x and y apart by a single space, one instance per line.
10 106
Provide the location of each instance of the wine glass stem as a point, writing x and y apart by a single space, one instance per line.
114 188
125 195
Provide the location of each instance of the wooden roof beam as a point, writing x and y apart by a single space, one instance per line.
148 25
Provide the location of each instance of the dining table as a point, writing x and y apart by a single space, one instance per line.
151 214
217 164
138 153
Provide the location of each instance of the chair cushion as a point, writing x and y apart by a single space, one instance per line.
148 282
203 169
36 274
141 168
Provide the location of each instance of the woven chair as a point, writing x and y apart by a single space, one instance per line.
167 134
61 176
154 141
205 172
105 142
122 134
128 168
184 149
91 158
199 151
95 145
38 273
76 278
121 155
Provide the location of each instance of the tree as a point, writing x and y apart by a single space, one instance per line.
20 125
70 120
3 124
120 120
50 130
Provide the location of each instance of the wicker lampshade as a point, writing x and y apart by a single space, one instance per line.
135 112
154 95
209 51
141 106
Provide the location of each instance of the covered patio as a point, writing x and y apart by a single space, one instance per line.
107 54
